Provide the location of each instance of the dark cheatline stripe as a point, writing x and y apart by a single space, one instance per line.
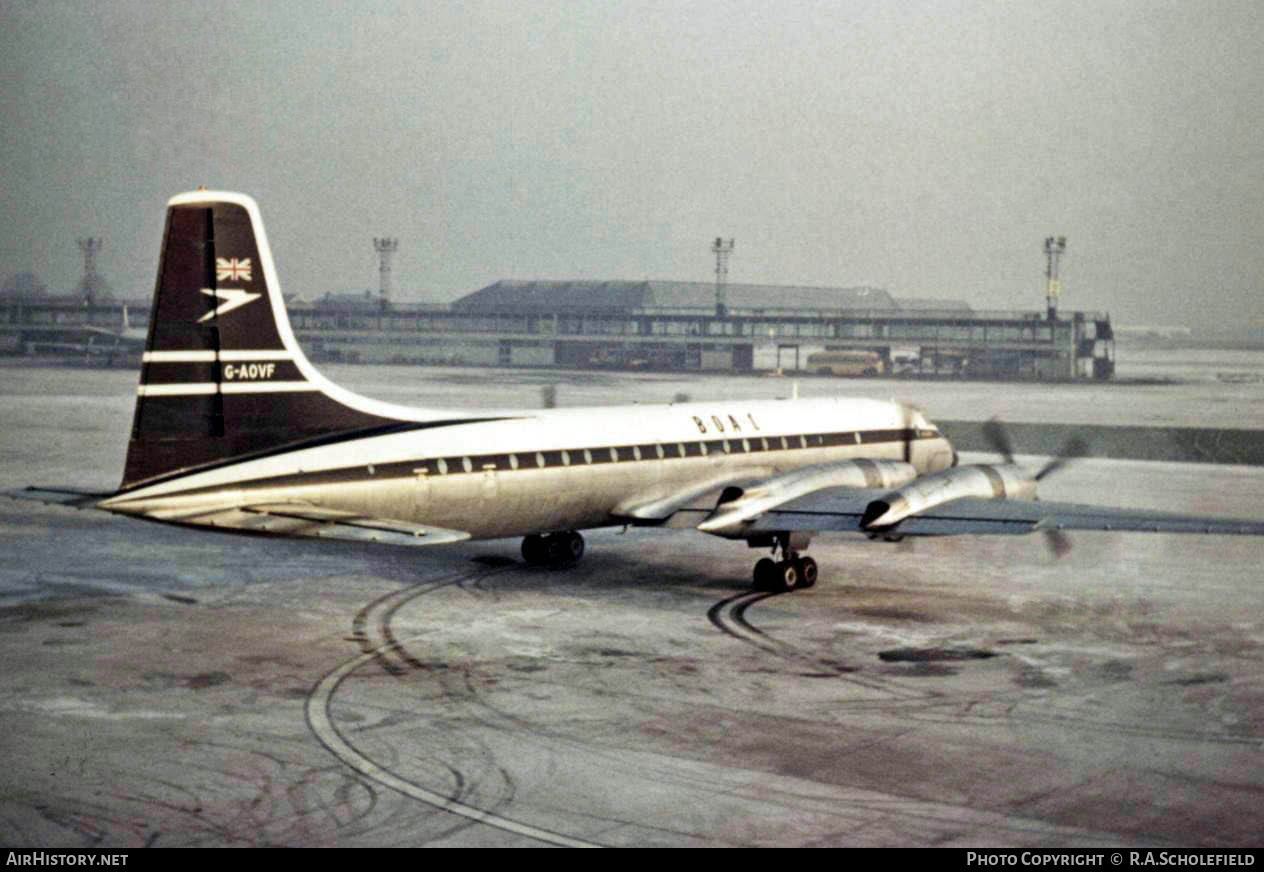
873 436
479 464
297 444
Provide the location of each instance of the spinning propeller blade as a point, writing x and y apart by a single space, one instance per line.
1075 447
994 431
1059 543
998 437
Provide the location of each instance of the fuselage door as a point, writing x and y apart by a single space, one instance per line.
421 490
491 483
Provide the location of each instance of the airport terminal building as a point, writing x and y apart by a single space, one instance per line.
677 326
654 325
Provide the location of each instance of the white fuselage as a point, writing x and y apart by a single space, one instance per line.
562 469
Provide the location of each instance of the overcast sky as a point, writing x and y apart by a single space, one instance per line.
928 148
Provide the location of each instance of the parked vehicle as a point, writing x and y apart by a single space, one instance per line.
847 363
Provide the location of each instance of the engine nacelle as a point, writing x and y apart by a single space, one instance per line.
985 481
738 508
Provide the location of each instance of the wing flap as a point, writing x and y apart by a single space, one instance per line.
1071 516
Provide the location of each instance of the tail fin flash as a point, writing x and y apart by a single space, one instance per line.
222 375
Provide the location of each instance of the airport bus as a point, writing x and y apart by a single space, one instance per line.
850 362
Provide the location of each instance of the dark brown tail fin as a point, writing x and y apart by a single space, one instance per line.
223 376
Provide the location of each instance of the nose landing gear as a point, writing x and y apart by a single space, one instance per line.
792 572
557 550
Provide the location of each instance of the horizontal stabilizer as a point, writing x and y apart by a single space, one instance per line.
56 496
303 520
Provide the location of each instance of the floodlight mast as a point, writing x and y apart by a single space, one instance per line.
90 247
385 247
722 251
1055 247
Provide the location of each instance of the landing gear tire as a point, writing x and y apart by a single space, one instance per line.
782 575
807 572
766 574
792 572
565 549
535 550
556 549
789 574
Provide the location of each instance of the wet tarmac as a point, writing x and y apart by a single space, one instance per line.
170 687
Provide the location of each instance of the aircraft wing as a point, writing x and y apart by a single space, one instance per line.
122 342
655 507
97 349
71 347
841 510
294 519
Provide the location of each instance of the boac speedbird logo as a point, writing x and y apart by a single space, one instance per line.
232 298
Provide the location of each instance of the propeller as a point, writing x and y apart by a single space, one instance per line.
998 437
907 411
1058 543
1074 447
994 432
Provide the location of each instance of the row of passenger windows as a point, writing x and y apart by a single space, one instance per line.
653 451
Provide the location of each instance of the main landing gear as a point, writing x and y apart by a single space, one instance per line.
555 549
792 572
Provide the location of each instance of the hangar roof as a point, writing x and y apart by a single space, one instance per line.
921 304
621 296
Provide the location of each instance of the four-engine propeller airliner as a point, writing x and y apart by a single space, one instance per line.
235 430
124 343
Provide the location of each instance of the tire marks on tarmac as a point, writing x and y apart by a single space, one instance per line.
379 645
391 655
1074 709
729 615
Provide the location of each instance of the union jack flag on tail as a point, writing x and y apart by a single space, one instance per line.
233 269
